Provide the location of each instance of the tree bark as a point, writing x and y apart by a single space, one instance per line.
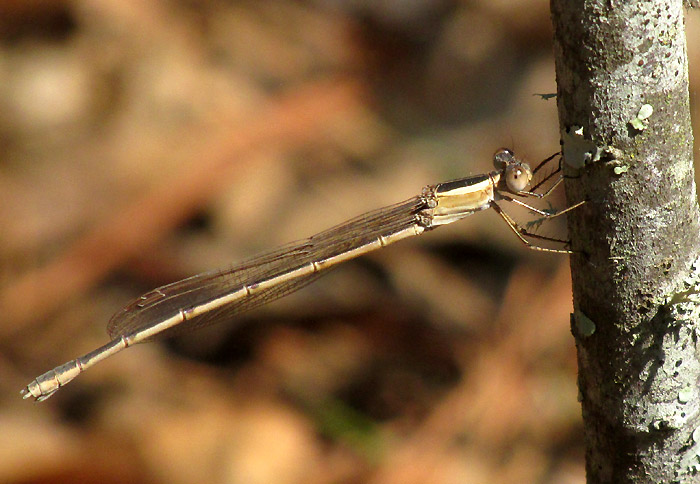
624 114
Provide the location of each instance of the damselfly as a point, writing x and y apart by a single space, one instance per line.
216 296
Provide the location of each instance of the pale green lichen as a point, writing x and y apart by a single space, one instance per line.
578 150
584 325
644 113
547 96
685 395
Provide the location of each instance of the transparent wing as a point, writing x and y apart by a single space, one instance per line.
166 301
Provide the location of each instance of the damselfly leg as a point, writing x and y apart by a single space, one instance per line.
557 171
524 233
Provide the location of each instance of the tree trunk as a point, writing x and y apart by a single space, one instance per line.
624 113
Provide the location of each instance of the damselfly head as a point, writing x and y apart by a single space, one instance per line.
517 174
502 158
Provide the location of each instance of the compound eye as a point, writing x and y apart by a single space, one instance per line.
502 157
518 177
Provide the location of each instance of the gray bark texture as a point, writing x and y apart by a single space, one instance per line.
624 113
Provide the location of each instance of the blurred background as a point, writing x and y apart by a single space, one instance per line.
145 141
